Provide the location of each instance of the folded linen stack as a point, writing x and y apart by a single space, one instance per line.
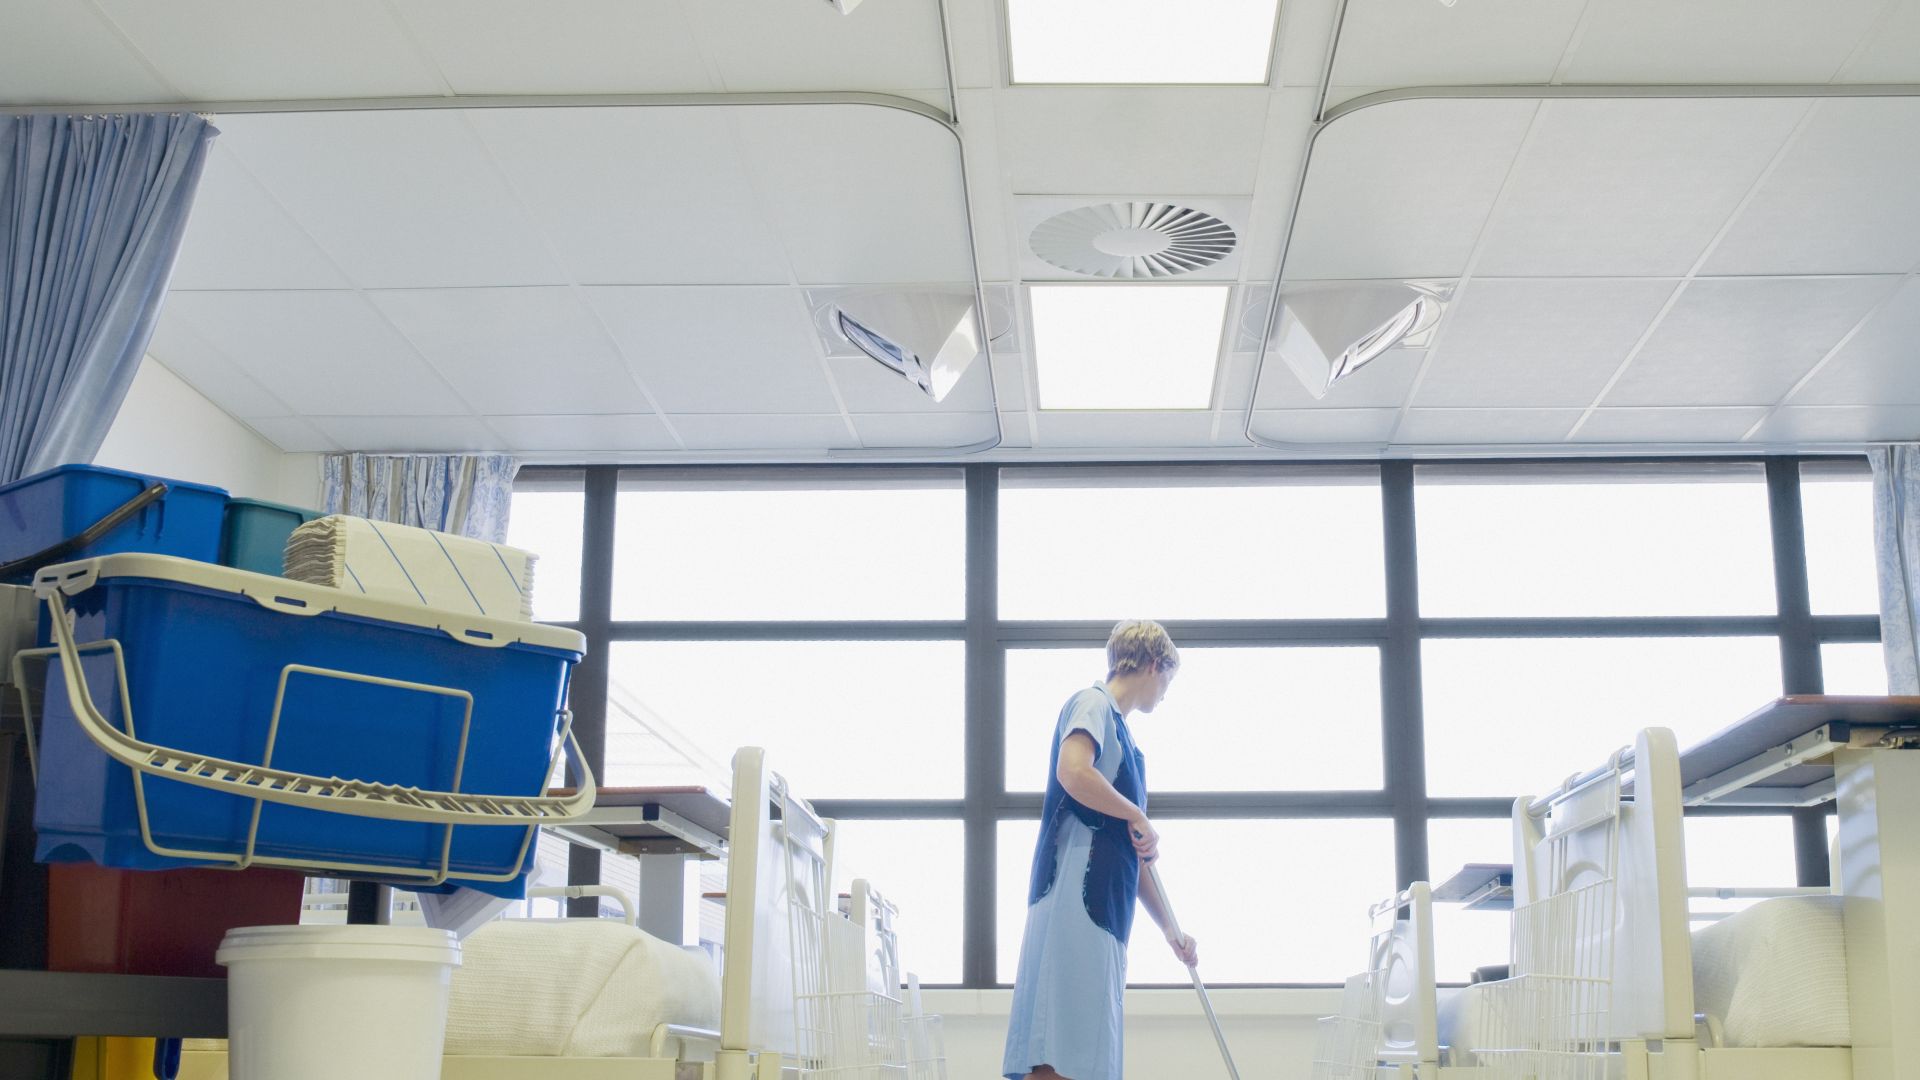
413 566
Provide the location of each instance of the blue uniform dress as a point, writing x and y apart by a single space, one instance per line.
1080 903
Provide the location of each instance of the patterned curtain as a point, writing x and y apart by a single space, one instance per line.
464 494
92 210
1896 541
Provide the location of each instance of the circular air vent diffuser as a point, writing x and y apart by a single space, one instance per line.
1133 240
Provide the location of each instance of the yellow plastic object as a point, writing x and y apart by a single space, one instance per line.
96 1058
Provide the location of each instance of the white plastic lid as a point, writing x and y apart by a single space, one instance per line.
291 597
405 943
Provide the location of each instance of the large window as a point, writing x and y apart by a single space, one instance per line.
1377 659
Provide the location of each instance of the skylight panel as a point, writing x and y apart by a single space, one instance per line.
1138 42
1127 346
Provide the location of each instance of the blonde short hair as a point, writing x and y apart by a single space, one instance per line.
1140 645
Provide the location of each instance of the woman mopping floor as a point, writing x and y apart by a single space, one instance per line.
1094 838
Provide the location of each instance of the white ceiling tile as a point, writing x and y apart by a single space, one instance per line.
240 50
860 195
881 430
581 46
1800 426
1668 425
1010 377
1880 365
516 351
1383 383
1324 425
1305 26
1478 427
583 434
1891 54
976 41
1631 187
1719 41
1533 343
322 353
718 350
1401 190
408 434
1126 429
293 434
1395 43
1843 201
183 351
1744 341
994 243
239 238
642 196
866 386
397 199
62 52
1283 153
787 45
763 431
1076 140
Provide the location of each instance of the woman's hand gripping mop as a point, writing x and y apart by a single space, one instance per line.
1173 931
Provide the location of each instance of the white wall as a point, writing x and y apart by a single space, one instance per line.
167 428
1270 1032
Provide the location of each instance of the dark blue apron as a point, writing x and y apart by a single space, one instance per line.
1113 869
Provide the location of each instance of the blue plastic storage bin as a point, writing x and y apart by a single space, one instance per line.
363 689
42 510
254 536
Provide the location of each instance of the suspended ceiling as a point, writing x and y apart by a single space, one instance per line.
1627 272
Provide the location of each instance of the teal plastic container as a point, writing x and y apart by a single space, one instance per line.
254 534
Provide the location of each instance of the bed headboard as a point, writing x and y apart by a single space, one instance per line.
776 872
1600 891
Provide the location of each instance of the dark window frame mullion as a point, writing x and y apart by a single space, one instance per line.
591 677
1600 626
984 736
785 630
1402 692
1800 667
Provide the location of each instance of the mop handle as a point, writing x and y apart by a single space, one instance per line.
1173 931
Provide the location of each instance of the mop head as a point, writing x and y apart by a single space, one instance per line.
406 565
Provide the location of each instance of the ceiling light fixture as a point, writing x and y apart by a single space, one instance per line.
1327 332
926 338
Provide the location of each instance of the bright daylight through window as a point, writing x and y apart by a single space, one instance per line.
901 641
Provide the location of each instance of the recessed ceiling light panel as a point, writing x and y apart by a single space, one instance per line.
1132 240
1141 42
1127 346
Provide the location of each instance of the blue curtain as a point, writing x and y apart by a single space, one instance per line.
1896 541
463 494
92 210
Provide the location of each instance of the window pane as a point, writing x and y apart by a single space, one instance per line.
840 719
1464 940
1178 545
1738 853
1854 667
1551 542
1836 504
1269 901
1235 719
1515 716
791 549
917 865
549 524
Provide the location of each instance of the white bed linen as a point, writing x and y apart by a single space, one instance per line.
574 987
1774 975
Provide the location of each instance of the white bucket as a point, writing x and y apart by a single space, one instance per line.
325 1002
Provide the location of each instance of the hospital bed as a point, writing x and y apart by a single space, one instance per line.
1611 980
803 986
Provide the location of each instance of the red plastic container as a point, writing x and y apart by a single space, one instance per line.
159 922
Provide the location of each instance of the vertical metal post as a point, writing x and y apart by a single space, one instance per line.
985 724
1402 722
1799 645
369 904
588 695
